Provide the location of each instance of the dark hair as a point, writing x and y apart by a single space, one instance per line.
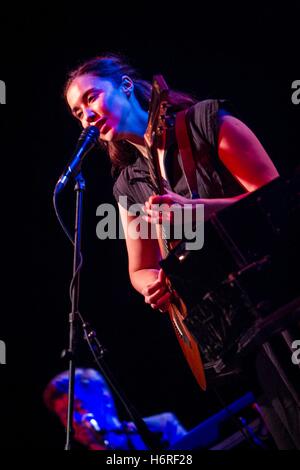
58 386
113 67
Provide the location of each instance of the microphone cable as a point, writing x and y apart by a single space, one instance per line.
69 236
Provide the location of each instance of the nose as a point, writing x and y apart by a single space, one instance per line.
89 115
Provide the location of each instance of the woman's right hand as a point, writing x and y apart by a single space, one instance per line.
157 294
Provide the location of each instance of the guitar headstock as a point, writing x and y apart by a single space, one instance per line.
159 132
159 118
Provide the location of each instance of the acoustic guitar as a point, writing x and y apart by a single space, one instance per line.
158 136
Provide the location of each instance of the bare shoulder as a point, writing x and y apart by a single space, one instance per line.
243 154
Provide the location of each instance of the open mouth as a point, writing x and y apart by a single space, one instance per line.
103 128
100 124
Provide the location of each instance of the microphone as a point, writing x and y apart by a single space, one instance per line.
87 140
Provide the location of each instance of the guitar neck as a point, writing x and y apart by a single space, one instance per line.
158 137
155 172
158 185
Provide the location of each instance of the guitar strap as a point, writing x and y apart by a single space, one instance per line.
189 167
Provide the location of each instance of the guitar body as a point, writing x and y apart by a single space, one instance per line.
157 136
177 312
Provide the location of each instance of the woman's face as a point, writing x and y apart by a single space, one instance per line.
99 102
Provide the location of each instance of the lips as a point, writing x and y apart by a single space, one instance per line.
100 124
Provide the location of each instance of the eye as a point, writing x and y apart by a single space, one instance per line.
79 115
91 98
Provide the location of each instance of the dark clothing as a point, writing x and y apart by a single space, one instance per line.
277 395
213 179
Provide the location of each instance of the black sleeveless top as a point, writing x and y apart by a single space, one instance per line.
213 178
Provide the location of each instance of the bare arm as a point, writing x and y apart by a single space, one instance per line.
143 255
245 158
243 154
143 263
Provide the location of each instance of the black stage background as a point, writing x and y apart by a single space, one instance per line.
247 56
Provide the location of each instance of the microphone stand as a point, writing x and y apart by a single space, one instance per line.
79 188
149 438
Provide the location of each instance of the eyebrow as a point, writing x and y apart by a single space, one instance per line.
84 97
